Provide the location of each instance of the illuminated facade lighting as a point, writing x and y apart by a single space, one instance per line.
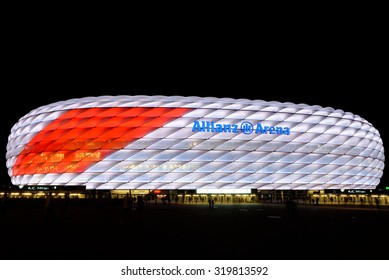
175 142
223 191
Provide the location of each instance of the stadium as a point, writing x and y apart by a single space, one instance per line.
193 145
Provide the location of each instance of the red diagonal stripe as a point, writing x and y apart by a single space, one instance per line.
81 137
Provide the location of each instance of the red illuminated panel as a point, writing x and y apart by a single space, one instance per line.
133 112
135 122
82 137
112 112
176 113
155 112
92 112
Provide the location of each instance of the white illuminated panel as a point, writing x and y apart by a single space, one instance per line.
223 191
175 142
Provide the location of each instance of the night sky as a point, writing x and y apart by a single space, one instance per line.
346 77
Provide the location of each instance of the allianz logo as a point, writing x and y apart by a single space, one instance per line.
245 127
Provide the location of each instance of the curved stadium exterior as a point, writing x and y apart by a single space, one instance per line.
176 142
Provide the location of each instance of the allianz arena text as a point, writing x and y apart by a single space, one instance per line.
193 143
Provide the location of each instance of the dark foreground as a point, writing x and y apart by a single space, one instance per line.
101 229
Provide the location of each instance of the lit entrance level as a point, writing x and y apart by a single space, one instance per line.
201 196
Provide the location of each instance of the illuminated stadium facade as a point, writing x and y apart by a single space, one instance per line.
193 143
